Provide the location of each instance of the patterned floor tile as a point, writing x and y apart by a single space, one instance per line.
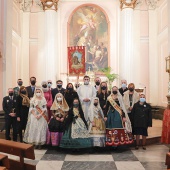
72 165
154 165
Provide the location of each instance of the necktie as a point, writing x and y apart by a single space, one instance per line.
32 89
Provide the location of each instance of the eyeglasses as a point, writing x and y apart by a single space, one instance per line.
86 79
49 83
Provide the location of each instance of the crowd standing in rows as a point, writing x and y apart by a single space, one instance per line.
88 116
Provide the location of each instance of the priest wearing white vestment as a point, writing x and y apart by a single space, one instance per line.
86 92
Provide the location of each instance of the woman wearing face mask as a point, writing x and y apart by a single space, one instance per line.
130 98
48 97
22 109
102 94
70 94
37 126
97 124
76 133
56 125
116 118
141 120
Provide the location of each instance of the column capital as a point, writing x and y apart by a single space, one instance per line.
127 4
50 4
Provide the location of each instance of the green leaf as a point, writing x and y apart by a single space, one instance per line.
107 72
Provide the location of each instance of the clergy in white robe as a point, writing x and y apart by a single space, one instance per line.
86 93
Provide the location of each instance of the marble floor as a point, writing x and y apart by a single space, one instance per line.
123 158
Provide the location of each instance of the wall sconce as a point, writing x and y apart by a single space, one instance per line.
167 59
0 54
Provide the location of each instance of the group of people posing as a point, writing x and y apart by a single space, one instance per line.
88 116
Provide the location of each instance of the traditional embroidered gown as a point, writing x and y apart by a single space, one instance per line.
97 125
165 138
56 127
117 133
76 133
36 129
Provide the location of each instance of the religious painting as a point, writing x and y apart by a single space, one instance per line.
88 26
76 60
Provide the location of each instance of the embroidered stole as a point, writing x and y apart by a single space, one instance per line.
42 113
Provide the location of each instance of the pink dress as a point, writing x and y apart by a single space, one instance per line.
48 97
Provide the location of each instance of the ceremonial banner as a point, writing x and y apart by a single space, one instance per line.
115 137
76 60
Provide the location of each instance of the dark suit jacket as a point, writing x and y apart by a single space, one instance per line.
30 92
16 91
8 106
55 91
122 91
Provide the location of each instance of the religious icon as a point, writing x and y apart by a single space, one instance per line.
88 27
76 60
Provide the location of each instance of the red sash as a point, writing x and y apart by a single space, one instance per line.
42 113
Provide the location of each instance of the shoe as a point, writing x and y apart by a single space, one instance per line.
39 147
144 148
35 146
137 147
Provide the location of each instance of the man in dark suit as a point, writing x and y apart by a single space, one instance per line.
16 89
97 83
31 88
9 104
58 89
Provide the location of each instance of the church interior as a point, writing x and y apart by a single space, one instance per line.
133 37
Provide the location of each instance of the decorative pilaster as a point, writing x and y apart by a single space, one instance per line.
50 40
26 5
127 4
152 4
7 58
50 4
127 41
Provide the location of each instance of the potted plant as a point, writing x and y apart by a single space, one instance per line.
110 76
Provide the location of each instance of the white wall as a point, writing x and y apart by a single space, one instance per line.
24 45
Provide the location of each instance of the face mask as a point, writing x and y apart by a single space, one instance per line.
131 89
97 83
95 104
23 92
70 88
59 86
11 93
86 82
20 83
103 87
44 86
33 82
45 89
123 86
142 100
38 94
59 99
77 87
49 85
114 92
75 105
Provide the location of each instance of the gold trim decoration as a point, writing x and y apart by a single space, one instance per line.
124 4
50 4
